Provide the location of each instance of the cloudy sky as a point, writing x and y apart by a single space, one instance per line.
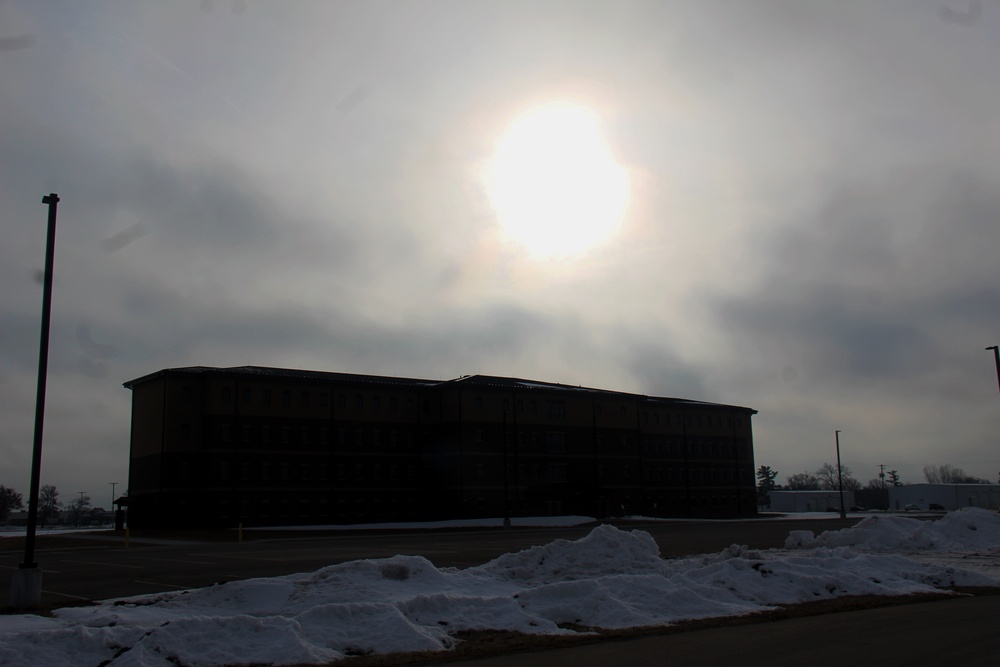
806 222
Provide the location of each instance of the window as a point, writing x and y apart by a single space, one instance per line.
246 432
323 439
286 435
323 468
557 472
377 403
286 471
304 435
303 471
393 404
227 394
286 397
224 432
245 470
555 442
359 402
265 396
223 471
479 402
480 470
304 399
341 401
246 395
265 434
186 394
185 432
555 410
324 399
265 471
182 471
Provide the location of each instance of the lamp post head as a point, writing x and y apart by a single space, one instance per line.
992 347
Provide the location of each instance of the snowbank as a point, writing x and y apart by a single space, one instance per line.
608 579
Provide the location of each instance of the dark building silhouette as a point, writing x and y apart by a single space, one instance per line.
268 446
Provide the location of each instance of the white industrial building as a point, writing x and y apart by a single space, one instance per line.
944 496
809 501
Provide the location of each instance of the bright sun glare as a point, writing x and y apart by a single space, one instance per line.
554 183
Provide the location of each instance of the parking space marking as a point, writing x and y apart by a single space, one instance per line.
271 560
179 560
160 583
113 565
65 595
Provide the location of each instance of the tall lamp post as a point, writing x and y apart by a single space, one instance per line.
840 478
26 581
996 356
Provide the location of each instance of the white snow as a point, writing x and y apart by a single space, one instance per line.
609 579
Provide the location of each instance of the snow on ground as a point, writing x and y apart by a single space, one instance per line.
609 579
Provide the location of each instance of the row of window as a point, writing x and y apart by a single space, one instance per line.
554 410
306 435
266 471
305 398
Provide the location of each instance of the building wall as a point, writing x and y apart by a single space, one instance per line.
808 501
267 447
948 496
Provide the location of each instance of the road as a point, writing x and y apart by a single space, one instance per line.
957 631
100 570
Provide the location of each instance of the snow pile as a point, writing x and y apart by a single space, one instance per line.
963 530
609 579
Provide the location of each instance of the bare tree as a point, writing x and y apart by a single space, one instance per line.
77 508
48 503
830 480
948 474
803 481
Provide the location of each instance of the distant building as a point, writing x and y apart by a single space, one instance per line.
809 500
944 496
268 446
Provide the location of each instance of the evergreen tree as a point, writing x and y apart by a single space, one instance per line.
765 484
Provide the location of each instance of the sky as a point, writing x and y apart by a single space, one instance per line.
802 219
609 579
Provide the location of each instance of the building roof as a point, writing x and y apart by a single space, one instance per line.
492 381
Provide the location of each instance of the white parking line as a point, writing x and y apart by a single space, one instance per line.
160 583
111 565
65 595
270 560
179 560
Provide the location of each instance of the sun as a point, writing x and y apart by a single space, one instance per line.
554 183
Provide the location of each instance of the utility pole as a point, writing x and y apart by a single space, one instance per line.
885 497
840 478
113 485
996 356
26 582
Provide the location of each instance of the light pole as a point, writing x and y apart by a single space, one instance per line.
996 356
840 478
113 485
26 581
